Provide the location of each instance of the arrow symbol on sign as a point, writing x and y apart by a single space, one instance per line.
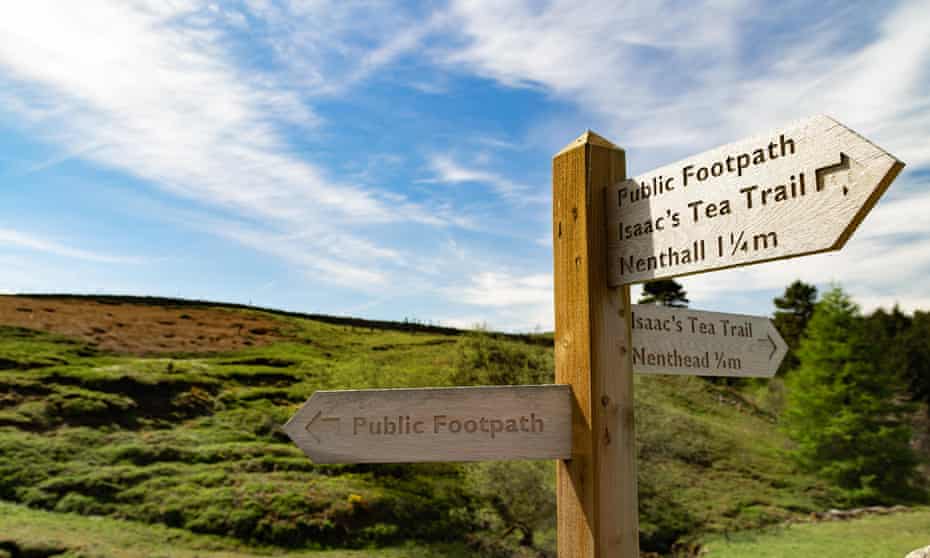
309 426
820 174
774 346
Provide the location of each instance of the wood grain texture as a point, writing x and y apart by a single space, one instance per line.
434 424
690 342
800 190
597 504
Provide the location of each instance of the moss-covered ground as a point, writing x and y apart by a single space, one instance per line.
29 532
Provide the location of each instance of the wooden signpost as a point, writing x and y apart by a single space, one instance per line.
800 190
694 343
450 424
797 191
597 509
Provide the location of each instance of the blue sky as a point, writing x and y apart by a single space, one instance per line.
392 160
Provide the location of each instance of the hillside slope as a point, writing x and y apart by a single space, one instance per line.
187 434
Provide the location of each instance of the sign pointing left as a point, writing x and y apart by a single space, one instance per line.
435 424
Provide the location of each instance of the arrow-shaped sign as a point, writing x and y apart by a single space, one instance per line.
313 421
690 342
448 424
796 191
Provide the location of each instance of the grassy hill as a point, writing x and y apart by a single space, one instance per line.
168 412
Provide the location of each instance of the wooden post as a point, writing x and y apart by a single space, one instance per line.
597 504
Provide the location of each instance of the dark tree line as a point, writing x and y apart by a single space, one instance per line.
904 348
854 382
845 409
902 342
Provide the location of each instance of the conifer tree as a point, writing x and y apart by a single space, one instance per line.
665 292
794 311
843 412
916 346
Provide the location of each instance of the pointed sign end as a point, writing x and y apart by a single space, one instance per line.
779 348
300 429
290 428
880 185
297 427
589 138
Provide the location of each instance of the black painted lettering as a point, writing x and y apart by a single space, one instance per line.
748 191
786 143
685 173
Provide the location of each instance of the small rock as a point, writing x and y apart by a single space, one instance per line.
920 553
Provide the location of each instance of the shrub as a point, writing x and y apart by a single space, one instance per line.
515 496
481 359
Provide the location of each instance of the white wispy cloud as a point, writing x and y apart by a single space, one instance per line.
447 170
499 144
320 265
503 289
20 275
171 93
327 47
670 79
510 300
56 160
165 103
157 92
18 239
465 322
322 256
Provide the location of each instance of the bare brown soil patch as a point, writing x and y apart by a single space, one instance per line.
142 329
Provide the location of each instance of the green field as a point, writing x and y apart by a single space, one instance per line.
29 532
39 532
192 441
871 537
